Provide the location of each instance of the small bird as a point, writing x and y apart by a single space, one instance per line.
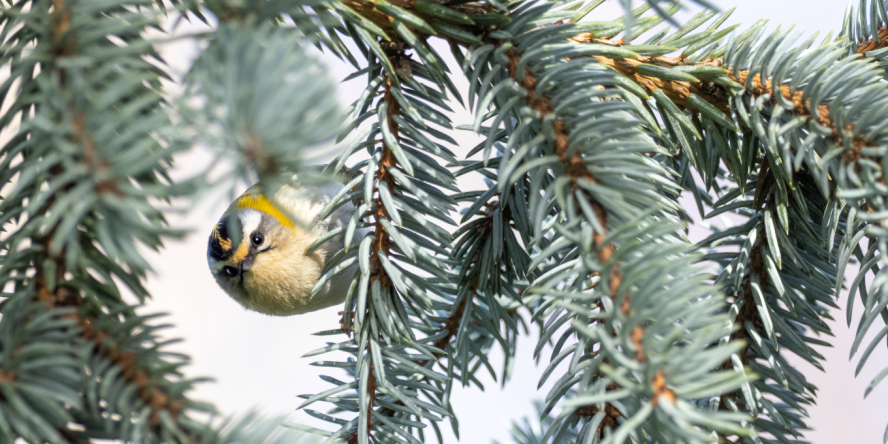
268 270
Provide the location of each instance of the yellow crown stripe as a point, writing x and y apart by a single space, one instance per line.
261 203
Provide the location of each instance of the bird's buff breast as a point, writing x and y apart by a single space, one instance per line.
281 280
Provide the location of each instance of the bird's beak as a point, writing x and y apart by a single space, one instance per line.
247 263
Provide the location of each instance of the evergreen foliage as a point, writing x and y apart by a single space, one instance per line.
589 138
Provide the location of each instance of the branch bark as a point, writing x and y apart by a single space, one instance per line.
872 45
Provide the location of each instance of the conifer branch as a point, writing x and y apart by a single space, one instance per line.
64 42
865 29
378 17
484 230
718 96
756 267
575 168
679 92
388 307
382 242
616 360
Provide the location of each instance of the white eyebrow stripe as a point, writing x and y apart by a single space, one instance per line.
250 220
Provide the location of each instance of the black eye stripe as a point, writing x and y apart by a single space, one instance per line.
216 245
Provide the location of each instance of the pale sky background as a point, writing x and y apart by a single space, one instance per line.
256 359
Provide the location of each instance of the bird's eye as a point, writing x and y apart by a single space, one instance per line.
230 271
256 239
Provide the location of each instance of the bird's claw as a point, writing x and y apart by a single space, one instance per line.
345 321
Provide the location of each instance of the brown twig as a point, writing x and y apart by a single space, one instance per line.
387 162
678 92
384 21
872 45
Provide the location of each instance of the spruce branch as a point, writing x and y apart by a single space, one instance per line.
429 17
772 269
756 267
381 242
489 272
575 169
731 84
719 95
51 266
598 308
230 89
864 29
678 91
477 298
840 146
393 313
755 64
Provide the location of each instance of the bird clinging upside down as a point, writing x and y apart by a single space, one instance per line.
268 270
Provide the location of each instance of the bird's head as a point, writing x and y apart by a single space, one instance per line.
257 255
236 242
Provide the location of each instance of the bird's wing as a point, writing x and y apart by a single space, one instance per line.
308 201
